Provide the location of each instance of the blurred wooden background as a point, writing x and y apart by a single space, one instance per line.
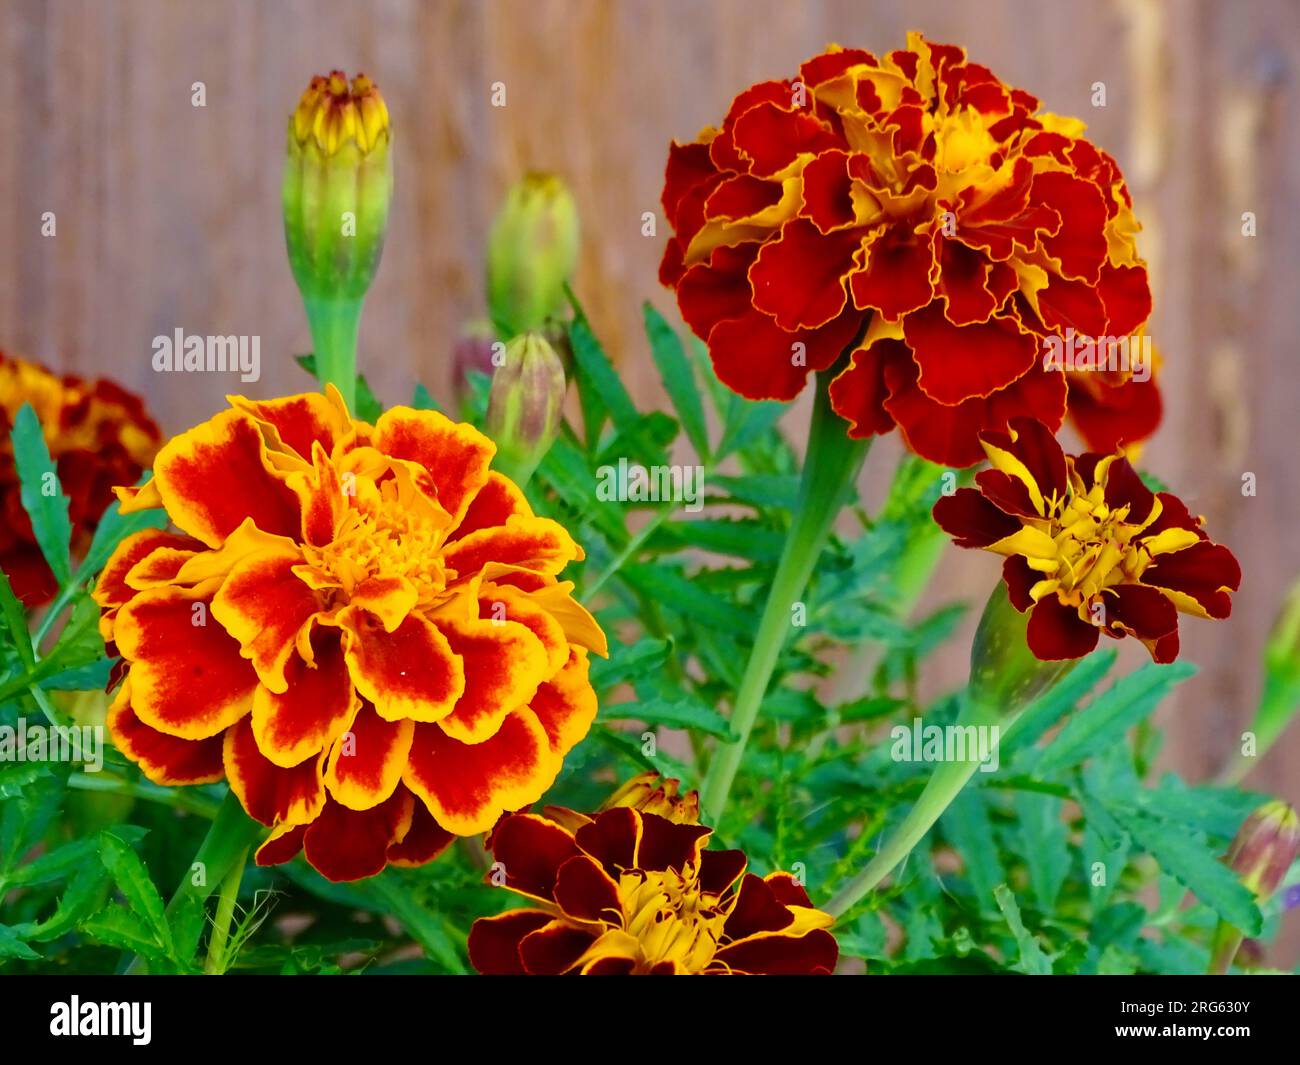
168 215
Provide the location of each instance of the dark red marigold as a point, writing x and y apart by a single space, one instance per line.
628 892
99 435
1088 548
930 216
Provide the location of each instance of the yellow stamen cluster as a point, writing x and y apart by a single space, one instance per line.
671 918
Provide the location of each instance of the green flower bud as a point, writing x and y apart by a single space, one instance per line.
525 405
532 253
338 181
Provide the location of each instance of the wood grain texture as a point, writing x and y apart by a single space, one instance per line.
168 215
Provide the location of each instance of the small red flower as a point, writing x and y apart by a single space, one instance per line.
627 892
929 217
1089 548
99 435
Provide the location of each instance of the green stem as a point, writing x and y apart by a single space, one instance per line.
230 836
944 785
334 324
216 962
830 469
1005 678
1227 941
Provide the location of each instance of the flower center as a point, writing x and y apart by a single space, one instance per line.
671 917
1094 546
381 537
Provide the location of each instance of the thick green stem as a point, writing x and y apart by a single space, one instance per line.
830 469
230 836
1227 941
1005 678
216 962
944 785
334 325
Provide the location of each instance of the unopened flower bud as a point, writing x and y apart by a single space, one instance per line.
532 253
1265 847
525 405
651 793
338 182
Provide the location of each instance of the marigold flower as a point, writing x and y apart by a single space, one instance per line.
1089 548
99 435
920 210
361 627
628 892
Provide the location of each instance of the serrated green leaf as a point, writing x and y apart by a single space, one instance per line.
42 495
1111 714
967 827
747 420
683 713
116 926
1187 858
627 661
13 946
89 677
83 894
738 538
677 593
421 399
1044 845
136 885
598 383
678 378
767 491
1032 959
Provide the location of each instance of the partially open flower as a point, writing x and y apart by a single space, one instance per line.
1089 548
627 893
653 794
361 627
99 435
931 216
338 181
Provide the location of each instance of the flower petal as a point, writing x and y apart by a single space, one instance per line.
408 673
188 678
456 455
366 761
343 844
1056 631
269 793
503 664
263 604
318 703
494 941
468 786
217 474
164 759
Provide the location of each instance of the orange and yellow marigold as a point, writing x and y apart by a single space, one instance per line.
98 434
361 627
930 216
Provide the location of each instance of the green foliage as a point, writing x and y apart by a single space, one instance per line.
1070 858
